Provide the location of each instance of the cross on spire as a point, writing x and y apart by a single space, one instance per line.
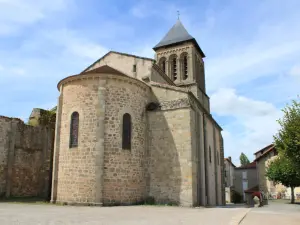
178 14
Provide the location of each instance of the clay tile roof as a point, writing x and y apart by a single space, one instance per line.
251 165
271 149
263 149
104 69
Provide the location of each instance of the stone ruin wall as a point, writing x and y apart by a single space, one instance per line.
25 159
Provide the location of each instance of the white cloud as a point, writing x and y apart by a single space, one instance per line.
253 122
225 102
16 13
295 71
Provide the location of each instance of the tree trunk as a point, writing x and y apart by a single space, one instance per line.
292 195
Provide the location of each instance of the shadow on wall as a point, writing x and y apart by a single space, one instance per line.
164 146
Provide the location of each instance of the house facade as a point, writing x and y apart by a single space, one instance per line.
245 178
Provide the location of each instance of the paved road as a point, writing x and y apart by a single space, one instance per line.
277 212
46 214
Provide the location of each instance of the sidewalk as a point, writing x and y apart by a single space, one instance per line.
273 214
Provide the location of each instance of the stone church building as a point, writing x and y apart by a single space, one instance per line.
131 128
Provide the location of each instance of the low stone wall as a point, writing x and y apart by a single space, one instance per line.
25 159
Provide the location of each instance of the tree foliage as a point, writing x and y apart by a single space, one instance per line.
287 140
244 159
46 118
281 170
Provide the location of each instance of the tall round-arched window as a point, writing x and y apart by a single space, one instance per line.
74 128
185 67
173 61
162 64
126 132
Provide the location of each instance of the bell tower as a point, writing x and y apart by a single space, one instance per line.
180 57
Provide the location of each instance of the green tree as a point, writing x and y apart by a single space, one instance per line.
281 170
244 159
287 140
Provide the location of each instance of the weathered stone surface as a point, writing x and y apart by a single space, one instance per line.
25 159
169 159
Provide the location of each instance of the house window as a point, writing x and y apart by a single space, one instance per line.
74 126
126 129
245 175
134 68
209 154
225 173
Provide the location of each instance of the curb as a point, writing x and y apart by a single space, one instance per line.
239 218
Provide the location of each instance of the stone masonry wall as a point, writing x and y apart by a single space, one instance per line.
170 162
124 170
76 178
125 64
99 171
25 159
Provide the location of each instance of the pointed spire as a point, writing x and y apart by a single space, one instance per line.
177 34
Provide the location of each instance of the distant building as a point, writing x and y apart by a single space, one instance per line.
261 157
229 172
229 178
245 178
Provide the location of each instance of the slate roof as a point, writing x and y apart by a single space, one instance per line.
177 34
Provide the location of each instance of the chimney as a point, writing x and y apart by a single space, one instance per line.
229 158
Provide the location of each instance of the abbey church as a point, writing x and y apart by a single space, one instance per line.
130 129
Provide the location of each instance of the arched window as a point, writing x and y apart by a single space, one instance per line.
209 154
173 61
185 67
162 64
126 129
74 127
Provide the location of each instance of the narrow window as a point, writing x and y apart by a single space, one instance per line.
185 67
126 129
134 68
74 126
218 158
174 69
209 154
163 66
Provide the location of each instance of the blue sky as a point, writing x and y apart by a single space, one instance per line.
252 53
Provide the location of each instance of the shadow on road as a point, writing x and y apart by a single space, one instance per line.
229 206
